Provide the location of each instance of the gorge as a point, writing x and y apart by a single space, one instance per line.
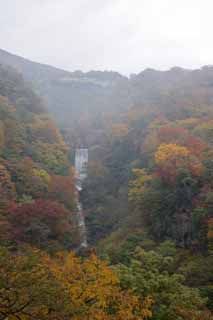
147 194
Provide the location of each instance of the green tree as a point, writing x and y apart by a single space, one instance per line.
147 274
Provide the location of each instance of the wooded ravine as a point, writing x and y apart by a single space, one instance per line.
106 193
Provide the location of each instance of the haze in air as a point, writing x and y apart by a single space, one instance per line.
106 160
120 35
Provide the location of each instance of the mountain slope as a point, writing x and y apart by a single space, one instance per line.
87 103
36 186
70 95
31 70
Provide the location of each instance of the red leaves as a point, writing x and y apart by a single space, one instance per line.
170 158
38 222
39 208
182 137
62 189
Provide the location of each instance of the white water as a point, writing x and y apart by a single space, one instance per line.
81 161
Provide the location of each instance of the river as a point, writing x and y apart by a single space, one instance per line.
81 162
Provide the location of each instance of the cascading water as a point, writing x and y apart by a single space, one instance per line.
81 161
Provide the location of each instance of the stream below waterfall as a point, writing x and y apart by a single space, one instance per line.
81 162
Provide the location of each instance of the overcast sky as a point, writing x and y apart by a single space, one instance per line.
122 35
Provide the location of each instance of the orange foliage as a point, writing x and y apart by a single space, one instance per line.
95 292
62 189
183 137
170 158
44 129
175 135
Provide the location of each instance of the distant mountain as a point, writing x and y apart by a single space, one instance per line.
32 71
70 95
90 98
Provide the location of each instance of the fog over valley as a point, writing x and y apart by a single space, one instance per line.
106 160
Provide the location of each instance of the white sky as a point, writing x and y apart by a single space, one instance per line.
122 35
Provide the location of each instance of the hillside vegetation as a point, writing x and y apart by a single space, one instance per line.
148 197
40 278
149 191
37 194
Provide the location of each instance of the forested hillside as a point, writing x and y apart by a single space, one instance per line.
148 196
40 277
85 104
149 192
76 99
37 193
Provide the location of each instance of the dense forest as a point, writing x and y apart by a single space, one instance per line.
147 198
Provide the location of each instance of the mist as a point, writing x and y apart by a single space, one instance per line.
125 36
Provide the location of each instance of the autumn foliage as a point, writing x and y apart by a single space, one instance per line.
33 285
39 222
148 198
171 158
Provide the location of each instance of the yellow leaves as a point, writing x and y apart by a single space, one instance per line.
90 279
43 174
196 167
141 174
53 156
25 286
95 292
131 308
170 158
171 152
44 129
137 186
188 123
101 281
66 287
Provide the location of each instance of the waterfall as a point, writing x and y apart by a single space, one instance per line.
81 161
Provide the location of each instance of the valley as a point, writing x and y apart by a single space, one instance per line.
106 196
